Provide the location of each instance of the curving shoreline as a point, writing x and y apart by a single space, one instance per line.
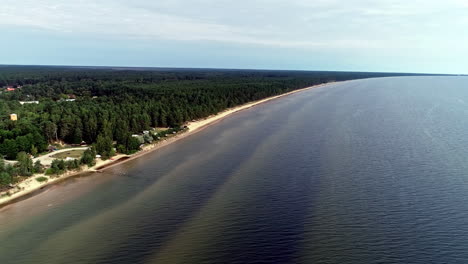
31 186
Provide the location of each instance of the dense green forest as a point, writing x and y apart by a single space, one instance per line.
107 105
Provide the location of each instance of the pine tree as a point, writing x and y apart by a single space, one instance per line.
25 164
104 146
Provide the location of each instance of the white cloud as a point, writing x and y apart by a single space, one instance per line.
295 23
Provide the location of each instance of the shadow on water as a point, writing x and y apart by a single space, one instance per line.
158 227
90 205
273 203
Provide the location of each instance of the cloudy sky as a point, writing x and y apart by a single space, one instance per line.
360 35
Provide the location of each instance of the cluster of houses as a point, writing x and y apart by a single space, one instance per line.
10 88
149 136
14 117
146 137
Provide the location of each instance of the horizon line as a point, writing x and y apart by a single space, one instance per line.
214 68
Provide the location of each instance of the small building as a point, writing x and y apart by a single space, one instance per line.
67 100
10 89
51 148
13 117
28 102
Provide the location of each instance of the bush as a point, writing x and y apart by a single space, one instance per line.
38 167
5 178
25 164
121 149
42 179
88 157
148 138
133 145
62 165
57 167
72 164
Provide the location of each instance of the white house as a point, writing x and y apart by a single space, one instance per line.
28 102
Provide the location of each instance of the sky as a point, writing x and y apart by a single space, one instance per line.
353 35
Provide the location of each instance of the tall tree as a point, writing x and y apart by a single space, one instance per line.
25 164
104 146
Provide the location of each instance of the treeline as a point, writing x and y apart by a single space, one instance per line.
112 104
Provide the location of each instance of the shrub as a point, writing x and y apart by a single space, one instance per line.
72 164
42 179
5 178
38 167
25 164
88 157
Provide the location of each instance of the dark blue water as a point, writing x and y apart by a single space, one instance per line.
368 171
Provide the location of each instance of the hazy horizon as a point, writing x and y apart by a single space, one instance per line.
214 69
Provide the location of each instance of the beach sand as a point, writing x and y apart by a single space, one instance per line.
31 185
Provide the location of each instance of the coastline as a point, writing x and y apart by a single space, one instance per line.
31 186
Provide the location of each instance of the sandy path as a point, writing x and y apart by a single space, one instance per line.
47 159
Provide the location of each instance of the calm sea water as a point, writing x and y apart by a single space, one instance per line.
368 171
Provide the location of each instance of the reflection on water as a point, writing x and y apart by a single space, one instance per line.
369 171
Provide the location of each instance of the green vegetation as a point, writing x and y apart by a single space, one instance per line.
38 167
76 154
25 164
42 179
6 173
61 166
88 157
104 146
104 107
25 167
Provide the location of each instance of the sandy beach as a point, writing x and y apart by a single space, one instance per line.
31 185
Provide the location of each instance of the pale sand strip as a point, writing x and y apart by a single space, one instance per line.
31 185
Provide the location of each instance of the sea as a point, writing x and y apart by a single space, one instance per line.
364 171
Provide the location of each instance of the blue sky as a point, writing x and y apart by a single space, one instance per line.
358 35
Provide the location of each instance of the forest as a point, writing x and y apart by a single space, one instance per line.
105 106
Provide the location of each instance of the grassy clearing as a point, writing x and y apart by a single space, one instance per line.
72 154
161 129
